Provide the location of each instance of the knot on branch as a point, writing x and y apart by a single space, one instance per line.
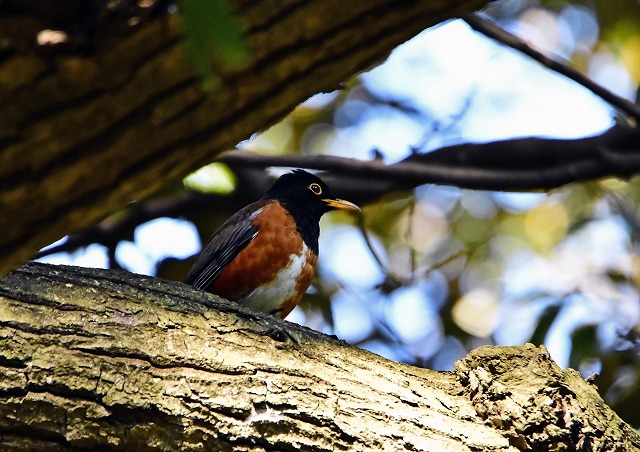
521 391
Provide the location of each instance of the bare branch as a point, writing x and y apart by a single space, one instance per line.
112 230
509 165
522 164
495 32
372 250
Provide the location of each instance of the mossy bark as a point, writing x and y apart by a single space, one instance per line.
106 360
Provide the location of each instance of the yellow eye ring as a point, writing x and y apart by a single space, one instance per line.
315 188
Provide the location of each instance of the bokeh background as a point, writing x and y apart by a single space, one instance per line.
424 276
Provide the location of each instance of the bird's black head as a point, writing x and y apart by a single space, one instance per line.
300 190
307 198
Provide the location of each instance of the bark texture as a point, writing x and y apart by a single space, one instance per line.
104 360
83 134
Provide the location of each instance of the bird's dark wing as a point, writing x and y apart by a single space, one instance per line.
225 244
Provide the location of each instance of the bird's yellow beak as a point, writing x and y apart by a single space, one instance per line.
341 204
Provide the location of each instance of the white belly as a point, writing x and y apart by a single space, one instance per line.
269 298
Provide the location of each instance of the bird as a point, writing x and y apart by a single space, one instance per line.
265 255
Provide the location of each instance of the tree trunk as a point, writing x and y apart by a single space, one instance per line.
106 360
82 135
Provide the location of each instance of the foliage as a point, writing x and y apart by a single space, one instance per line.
213 35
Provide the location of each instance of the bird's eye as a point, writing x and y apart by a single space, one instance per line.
315 188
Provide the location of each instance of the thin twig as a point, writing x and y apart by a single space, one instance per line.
441 263
367 241
409 239
380 322
623 206
497 33
113 229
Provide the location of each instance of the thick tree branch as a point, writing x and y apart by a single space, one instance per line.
104 360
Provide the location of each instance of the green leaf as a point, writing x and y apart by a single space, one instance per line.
213 35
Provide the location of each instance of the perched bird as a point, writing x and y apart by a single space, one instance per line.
265 255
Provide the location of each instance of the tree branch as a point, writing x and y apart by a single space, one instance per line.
499 34
519 164
93 359
116 228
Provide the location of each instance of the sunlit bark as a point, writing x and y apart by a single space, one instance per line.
105 360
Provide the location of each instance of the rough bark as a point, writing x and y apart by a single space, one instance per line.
105 360
82 135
